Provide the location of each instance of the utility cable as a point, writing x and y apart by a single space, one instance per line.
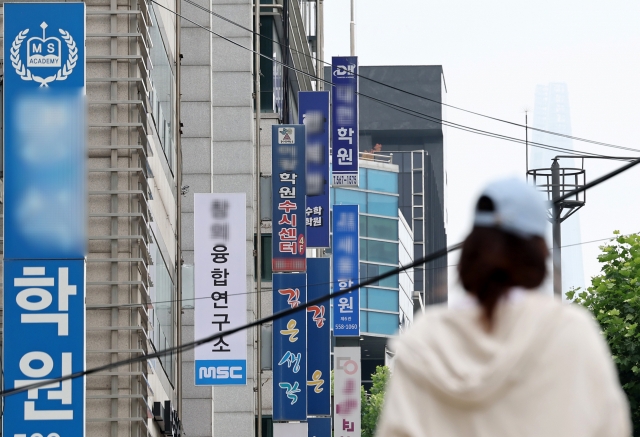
269 290
193 344
318 61
458 126
187 346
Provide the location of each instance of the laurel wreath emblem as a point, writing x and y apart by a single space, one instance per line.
25 73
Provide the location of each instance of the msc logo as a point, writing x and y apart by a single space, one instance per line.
345 71
221 372
44 52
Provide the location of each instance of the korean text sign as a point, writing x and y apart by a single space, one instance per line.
319 336
346 248
344 121
346 391
220 256
314 114
45 130
289 193
289 348
44 323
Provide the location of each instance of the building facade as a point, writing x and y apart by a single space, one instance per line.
386 242
133 258
219 156
415 140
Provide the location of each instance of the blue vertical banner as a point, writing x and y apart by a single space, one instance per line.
313 112
45 132
45 217
319 427
344 121
289 348
44 338
318 335
346 266
289 198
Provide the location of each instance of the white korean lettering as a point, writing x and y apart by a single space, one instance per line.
39 374
34 277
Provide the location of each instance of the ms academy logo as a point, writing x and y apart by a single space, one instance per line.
44 53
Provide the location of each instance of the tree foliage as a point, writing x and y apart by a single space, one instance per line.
372 403
614 300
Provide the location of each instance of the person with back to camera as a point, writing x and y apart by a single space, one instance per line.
506 360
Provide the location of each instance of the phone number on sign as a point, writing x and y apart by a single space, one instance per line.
347 326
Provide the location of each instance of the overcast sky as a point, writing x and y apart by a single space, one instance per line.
494 53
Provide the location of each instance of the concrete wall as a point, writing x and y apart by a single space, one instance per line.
218 156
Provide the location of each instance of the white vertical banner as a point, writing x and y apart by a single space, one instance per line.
220 256
346 391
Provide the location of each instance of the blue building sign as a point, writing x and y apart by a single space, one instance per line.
318 335
44 325
45 217
44 111
289 193
344 121
289 348
314 114
346 308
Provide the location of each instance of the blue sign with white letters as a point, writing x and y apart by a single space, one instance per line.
44 325
289 348
313 110
44 130
318 335
221 372
346 270
344 121
289 246
45 217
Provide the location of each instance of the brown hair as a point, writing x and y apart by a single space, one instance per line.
493 261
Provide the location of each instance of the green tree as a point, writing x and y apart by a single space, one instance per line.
372 403
614 300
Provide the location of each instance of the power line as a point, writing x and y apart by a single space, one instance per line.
187 346
283 46
396 107
269 290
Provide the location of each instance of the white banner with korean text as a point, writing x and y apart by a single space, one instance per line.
220 257
346 391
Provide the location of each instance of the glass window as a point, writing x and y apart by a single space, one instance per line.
363 298
351 197
379 251
363 322
381 323
265 260
163 298
362 176
162 91
386 229
384 181
372 270
382 204
391 281
378 299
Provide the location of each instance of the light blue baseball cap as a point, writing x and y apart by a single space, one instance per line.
515 207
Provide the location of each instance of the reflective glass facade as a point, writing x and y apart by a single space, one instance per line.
377 196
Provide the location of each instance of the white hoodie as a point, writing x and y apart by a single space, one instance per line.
544 370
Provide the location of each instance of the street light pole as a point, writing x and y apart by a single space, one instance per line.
353 28
258 217
556 220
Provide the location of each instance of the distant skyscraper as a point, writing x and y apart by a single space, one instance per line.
551 113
